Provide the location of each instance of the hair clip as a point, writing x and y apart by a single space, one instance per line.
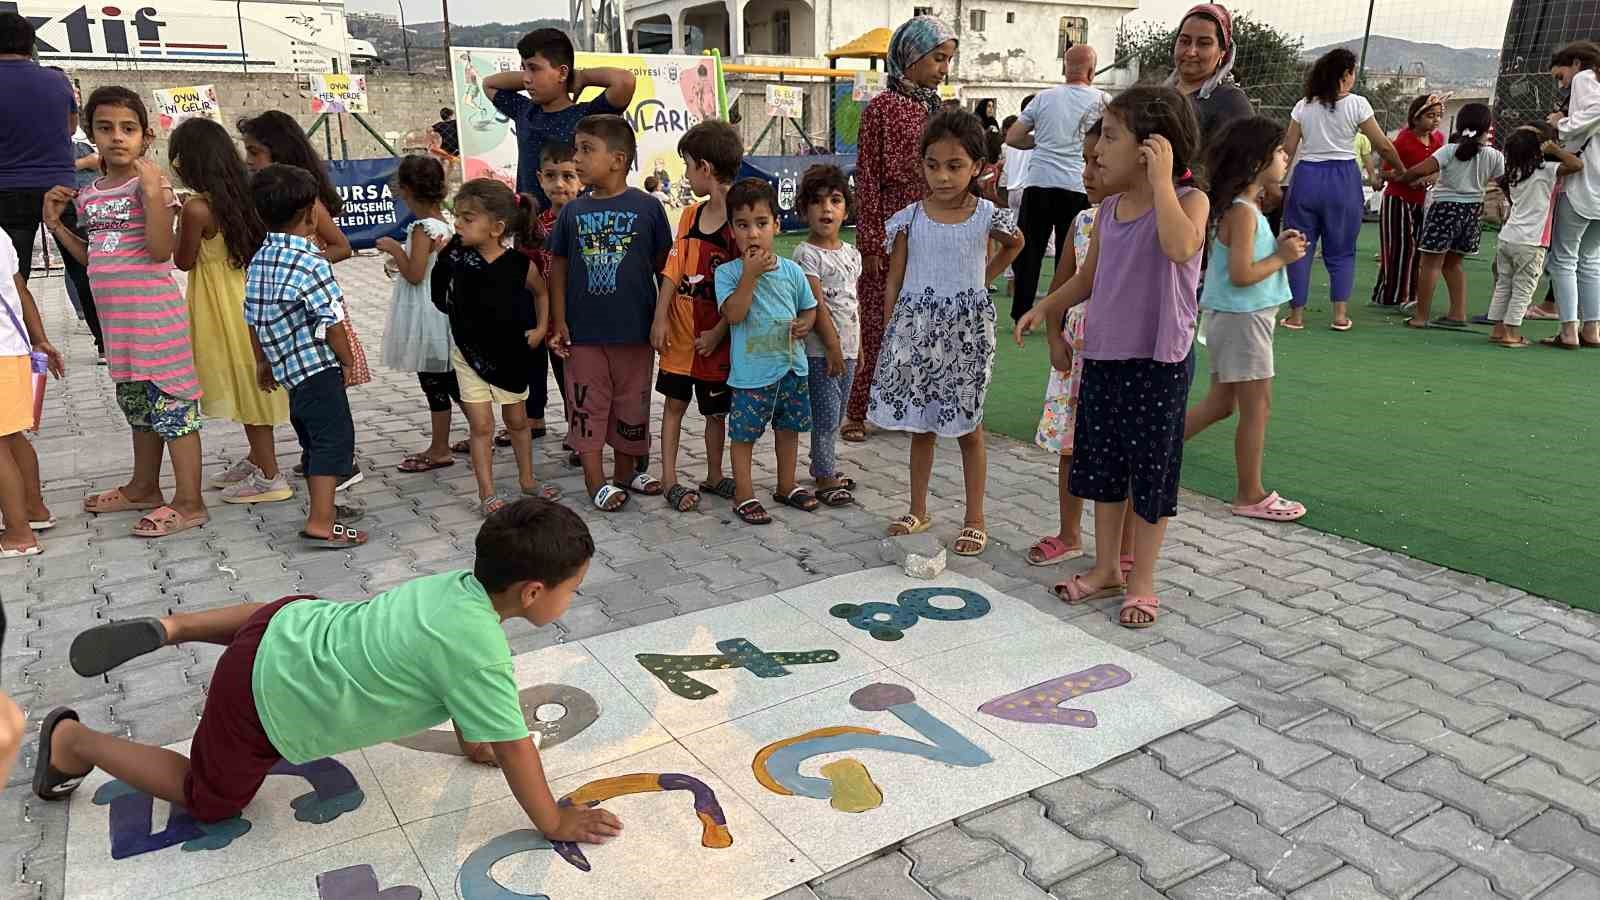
1469 132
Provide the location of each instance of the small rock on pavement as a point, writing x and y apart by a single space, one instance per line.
919 555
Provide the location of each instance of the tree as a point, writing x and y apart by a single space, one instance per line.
1268 64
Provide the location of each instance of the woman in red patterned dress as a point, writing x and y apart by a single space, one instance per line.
889 178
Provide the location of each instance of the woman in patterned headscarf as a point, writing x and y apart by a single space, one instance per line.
1202 68
889 178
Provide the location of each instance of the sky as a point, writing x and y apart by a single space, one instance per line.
1454 23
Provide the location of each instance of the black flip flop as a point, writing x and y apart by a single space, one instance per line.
48 782
799 498
838 495
104 647
676 495
727 488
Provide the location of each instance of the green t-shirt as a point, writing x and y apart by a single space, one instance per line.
331 677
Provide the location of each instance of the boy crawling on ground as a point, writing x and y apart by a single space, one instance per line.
304 678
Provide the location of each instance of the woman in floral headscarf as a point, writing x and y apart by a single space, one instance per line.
889 178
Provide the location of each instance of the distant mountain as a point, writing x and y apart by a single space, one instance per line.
427 39
1452 66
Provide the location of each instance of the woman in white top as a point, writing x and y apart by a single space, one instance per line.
1575 239
1325 199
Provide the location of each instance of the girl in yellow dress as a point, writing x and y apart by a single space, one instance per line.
218 232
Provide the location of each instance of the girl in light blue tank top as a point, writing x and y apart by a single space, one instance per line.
1246 280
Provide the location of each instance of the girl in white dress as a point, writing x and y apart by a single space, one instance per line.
418 338
938 349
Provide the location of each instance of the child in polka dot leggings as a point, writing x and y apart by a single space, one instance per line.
1143 268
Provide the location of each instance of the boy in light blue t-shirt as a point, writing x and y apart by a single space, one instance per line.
770 309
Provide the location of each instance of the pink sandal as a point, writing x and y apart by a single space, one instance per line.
1074 590
1125 563
1272 508
1051 550
1150 606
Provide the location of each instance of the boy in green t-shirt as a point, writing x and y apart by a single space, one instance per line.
304 678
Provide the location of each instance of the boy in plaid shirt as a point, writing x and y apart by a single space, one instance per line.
296 316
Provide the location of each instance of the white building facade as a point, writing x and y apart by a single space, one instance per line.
1009 48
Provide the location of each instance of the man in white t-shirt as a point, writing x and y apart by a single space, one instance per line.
1052 126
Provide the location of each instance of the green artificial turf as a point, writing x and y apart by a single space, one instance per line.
1432 443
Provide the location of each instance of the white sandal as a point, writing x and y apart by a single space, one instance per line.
607 493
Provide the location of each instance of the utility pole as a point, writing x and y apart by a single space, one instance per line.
1366 36
405 42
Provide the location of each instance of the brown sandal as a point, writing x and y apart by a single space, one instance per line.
340 537
853 432
115 500
166 521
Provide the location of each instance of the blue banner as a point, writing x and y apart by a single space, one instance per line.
371 209
784 173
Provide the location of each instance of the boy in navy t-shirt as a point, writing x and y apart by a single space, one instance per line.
551 80
607 249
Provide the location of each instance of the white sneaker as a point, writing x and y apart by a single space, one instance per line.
355 478
257 489
234 474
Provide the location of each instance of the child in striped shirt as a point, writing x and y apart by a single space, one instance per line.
128 215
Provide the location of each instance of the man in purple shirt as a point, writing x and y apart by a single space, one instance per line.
37 113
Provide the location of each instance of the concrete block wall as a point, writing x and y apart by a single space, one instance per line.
399 103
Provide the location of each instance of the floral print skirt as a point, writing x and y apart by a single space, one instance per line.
933 371
1061 394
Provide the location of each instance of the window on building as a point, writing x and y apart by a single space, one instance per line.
1011 18
780 32
922 10
977 19
1074 30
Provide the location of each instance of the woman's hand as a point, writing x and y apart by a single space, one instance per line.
872 266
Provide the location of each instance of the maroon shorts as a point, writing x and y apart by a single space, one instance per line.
608 389
231 753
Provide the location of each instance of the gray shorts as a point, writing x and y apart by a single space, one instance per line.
1240 344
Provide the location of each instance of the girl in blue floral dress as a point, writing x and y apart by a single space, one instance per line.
938 349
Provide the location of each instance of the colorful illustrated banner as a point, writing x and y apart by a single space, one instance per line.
673 94
869 83
371 209
786 101
174 105
338 94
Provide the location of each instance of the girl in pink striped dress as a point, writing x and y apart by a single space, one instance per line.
128 215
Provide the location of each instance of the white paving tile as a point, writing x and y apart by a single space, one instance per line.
896 794
420 784
663 851
774 628
1018 687
887 600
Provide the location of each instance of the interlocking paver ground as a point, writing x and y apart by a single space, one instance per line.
1402 730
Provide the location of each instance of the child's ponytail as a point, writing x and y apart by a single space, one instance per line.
523 225
1472 124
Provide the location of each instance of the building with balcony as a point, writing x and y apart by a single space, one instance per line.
1009 48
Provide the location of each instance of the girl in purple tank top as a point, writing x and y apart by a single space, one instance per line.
1142 269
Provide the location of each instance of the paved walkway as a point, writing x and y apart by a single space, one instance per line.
1401 730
